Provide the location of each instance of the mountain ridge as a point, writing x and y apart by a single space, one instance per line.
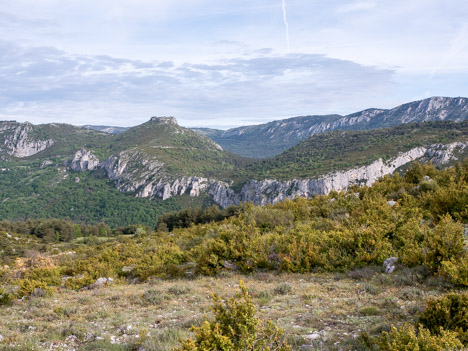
272 138
177 167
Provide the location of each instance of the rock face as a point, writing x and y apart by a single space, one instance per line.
84 160
442 154
19 141
262 192
270 139
134 171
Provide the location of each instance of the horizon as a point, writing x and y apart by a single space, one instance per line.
224 128
225 64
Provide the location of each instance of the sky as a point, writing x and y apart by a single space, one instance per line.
228 63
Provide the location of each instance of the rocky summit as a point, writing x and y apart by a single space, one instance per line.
270 139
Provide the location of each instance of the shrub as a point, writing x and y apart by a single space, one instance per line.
409 338
444 243
5 298
449 312
235 327
154 297
282 289
456 270
27 287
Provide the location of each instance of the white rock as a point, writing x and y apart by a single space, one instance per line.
20 143
84 160
389 264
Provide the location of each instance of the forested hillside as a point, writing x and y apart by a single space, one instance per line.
338 150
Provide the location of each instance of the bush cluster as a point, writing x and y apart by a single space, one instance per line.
235 327
442 326
337 232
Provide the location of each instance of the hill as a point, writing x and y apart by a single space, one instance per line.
328 152
270 139
58 170
319 268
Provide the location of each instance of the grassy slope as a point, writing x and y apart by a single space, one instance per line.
184 151
334 306
333 151
325 311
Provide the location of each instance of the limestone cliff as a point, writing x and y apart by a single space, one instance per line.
19 140
134 172
84 160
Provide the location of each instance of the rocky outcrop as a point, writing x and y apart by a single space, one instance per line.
165 188
268 191
134 171
84 160
262 192
99 283
19 141
389 264
443 154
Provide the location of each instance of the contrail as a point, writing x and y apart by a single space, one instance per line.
285 19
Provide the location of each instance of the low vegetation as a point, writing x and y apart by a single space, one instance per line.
300 259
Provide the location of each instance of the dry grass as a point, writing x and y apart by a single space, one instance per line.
318 311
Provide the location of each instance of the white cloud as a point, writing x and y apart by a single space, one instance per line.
225 62
260 87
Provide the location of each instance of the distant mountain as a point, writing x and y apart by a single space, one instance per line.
106 129
59 170
270 139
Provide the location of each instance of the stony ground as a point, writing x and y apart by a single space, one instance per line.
317 311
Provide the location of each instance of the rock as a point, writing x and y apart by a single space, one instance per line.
230 266
313 336
46 163
389 264
84 160
20 142
128 269
1 338
391 203
77 180
98 283
38 292
135 171
427 178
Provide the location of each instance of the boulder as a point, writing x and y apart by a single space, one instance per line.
98 283
389 264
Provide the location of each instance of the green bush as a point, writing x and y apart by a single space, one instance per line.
235 327
409 338
5 298
444 243
449 312
27 287
456 270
